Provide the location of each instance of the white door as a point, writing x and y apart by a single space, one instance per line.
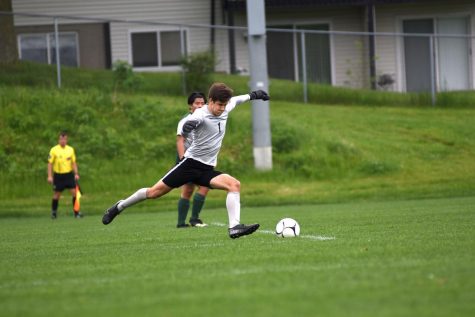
453 54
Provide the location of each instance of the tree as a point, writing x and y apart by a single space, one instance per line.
8 45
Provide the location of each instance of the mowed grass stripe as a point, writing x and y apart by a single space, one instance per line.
398 258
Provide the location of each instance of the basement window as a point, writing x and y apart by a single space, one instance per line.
41 48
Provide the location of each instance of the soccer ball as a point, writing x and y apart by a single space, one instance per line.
287 228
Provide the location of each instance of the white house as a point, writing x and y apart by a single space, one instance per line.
104 33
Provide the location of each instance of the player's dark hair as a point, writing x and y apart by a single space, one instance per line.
220 92
195 95
63 133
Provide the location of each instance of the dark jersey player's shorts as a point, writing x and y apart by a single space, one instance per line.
190 171
62 181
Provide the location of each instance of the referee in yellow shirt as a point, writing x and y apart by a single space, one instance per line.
62 172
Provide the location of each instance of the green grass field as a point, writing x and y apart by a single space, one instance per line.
381 183
393 258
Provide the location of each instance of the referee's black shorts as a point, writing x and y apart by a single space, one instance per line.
62 181
190 171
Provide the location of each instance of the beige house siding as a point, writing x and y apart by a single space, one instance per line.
349 53
351 72
349 57
165 11
192 11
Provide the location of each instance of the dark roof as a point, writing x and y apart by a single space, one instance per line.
241 4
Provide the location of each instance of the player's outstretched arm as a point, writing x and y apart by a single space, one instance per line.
259 94
190 125
236 100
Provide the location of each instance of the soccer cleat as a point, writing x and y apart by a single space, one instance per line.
53 215
111 213
183 225
77 215
242 230
197 222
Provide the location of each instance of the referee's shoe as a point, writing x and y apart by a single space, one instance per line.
111 213
242 230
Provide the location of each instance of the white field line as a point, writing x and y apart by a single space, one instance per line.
305 236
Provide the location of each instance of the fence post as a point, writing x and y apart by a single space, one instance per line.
304 66
58 59
432 71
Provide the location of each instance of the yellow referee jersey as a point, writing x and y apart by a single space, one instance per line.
62 159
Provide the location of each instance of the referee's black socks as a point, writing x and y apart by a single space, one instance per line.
54 205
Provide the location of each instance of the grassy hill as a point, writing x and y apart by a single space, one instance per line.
321 152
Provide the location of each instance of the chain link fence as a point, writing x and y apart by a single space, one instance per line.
417 60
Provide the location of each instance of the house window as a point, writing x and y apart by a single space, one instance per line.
158 48
281 53
452 55
34 47
68 49
144 49
41 48
317 54
284 56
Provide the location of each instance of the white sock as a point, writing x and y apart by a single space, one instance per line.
136 197
233 204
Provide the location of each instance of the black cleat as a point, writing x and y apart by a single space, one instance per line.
242 230
183 225
111 213
197 222
77 215
53 215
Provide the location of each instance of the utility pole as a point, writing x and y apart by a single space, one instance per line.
256 23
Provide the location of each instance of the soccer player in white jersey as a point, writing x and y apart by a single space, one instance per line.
196 100
208 126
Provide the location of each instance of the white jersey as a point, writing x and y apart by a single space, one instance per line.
209 134
187 138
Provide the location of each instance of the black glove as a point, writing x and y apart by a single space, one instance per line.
190 125
259 94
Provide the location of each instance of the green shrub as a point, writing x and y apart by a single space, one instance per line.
199 68
124 76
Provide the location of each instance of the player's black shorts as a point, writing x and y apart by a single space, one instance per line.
190 171
62 181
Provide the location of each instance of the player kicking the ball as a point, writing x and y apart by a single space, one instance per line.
207 125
